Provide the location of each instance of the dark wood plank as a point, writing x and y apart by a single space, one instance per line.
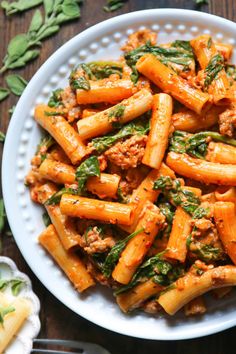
58 321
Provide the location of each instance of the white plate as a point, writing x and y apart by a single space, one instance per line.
22 342
99 42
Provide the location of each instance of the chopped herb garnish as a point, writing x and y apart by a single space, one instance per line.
46 219
113 5
88 168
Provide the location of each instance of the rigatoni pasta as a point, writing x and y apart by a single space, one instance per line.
139 188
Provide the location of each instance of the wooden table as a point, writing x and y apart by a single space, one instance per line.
58 321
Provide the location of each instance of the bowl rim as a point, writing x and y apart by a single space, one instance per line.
102 27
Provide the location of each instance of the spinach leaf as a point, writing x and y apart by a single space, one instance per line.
79 77
115 115
204 252
56 197
215 65
165 55
137 127
176 194
55 100
168 211
88 168
160 271
114 254
46 219
196 145
231 71
103 69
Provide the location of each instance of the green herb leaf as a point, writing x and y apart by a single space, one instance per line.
4 93
24 59
113 5
46 219
71 8
103 69
138 127
215 65
55 100
16 84
18 46
36 22
54 113
45 143
115 115
48 7
19 6
114 254
2 137
16 286
201 2
88 168
56 197
176 194
206 253
2 215
4 311
231 71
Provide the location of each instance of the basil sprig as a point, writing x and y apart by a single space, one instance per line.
19 6
21 48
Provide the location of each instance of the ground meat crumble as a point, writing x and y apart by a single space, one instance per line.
128 153
227 122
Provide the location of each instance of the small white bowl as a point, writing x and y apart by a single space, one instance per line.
22 342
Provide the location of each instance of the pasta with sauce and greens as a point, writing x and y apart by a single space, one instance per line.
137 172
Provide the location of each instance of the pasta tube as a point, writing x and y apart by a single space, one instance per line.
70 263
224 49
224 215
65 226
13 321
145 192
191 286
192 122
103 122
105 186
132 299
222 153
159 133
106 90
201 170
225 194
76 206
62 132
181 229
171 83
136 249
205 51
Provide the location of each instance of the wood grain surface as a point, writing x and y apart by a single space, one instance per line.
58 321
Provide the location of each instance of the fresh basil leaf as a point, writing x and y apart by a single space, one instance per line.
5 311
17 46
71 8
16 84
88 168
56 197
114 254
28 56
19 6
4 92
48 7
113 5
36 22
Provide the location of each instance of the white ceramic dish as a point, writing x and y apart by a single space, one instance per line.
22 342
100 41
